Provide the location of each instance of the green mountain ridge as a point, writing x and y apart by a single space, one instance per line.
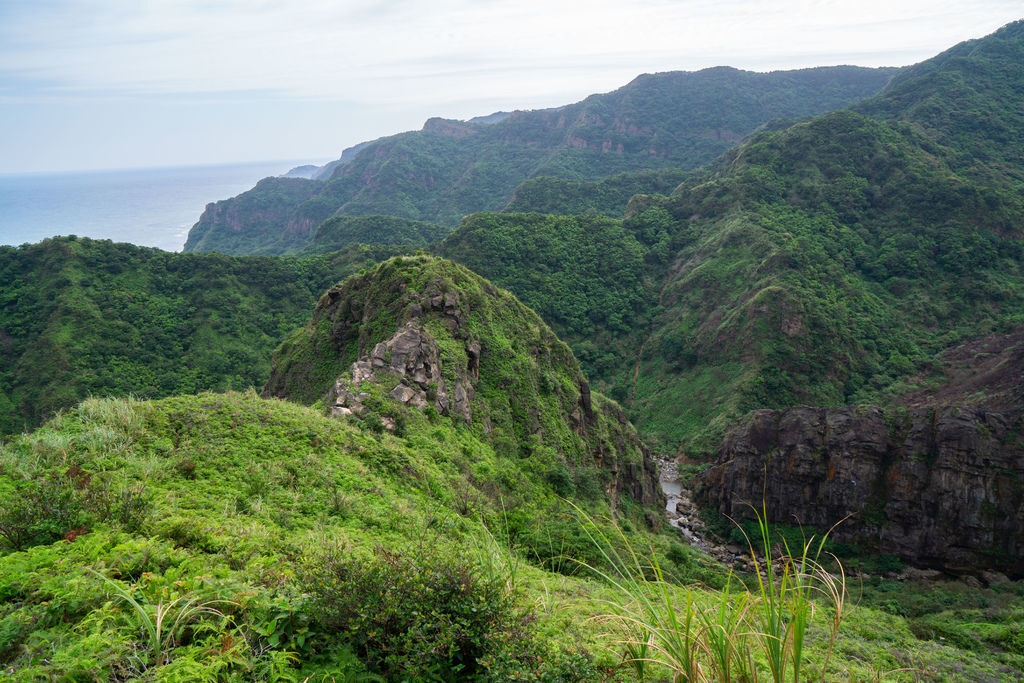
965 99
453 168
819 264
81 317
827 262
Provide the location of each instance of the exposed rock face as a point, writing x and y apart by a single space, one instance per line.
449 127
938 488
413 358
267 211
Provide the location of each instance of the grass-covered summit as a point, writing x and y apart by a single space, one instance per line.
425 334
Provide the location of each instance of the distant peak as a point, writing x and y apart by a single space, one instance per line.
448 127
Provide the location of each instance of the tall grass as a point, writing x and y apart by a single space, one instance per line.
162 623
718 635
784 607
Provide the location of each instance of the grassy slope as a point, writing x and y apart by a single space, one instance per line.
242 495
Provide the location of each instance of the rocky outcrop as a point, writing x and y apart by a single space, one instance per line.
427 333
413 359
613 436
937 488
449 127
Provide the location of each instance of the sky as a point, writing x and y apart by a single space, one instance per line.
91 84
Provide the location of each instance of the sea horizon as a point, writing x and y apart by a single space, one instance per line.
148 206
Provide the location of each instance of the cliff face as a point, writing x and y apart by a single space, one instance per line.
430 334
267 211
939 488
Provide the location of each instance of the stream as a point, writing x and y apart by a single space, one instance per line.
682 514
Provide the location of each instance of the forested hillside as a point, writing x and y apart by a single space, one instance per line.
342 232
827 263
81 317
452 168
606 197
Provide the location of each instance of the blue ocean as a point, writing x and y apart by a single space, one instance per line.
153 207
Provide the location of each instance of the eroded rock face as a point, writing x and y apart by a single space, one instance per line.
412 357
937 488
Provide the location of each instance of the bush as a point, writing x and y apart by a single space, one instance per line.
49 506
40 511
420 613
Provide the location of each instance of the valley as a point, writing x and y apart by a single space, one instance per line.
717 376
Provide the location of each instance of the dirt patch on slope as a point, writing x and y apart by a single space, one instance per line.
987 372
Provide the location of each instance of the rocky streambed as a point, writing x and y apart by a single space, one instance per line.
682 514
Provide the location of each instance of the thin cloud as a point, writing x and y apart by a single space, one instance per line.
387 66
332 49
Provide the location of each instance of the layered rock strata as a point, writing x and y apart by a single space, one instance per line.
937 488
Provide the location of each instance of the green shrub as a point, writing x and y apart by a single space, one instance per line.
40 511
420 612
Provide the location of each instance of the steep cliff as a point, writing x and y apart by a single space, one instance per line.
266 212
425 334
939 488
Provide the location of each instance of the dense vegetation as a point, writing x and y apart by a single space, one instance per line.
342 232
968 100
587 276
453 168
827 262
81 317
606 197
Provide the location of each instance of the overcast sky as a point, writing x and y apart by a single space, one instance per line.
129 83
